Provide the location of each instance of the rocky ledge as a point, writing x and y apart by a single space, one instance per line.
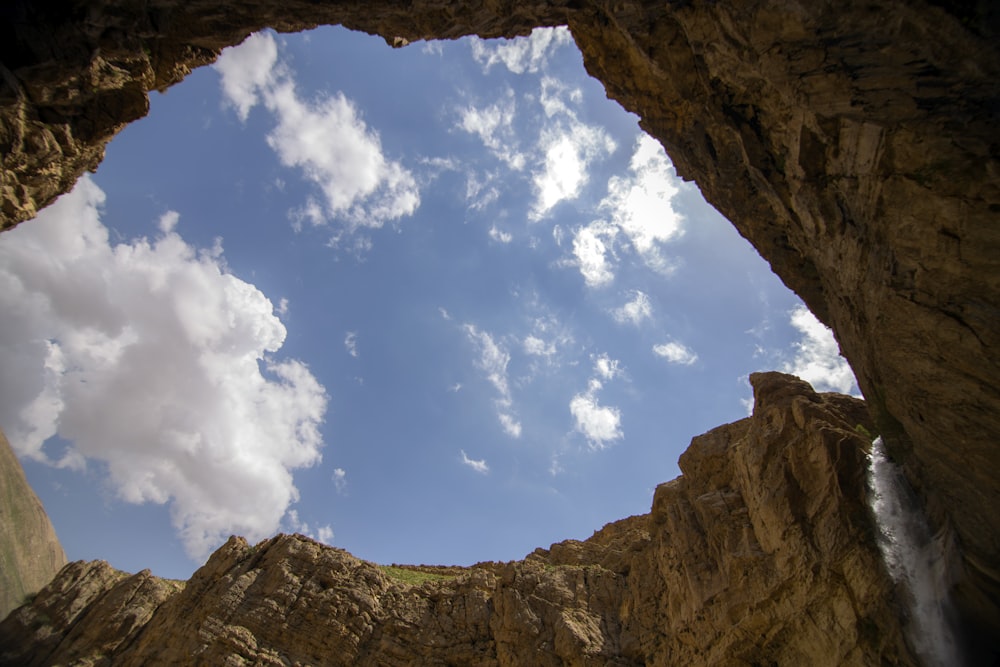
762 552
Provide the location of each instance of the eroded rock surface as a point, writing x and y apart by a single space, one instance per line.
30 552
855 144
762 552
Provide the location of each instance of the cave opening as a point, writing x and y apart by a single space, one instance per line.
498 315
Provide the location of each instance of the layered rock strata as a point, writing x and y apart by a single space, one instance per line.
30 552
855 144
762 552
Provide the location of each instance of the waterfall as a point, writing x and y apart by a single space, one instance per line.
916 560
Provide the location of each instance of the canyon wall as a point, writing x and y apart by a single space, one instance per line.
30 553
762 552
854 144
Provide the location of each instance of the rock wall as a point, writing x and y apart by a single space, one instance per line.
853 143
30 553
762 552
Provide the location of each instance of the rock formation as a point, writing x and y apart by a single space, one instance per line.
30 553
762 552
855 144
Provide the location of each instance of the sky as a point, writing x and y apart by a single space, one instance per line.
439 304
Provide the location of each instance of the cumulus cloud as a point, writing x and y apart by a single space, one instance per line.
567 147
479 466
521 54
606 367
675 353
640 204
817 357
151 357
492 360
537 347
639 217
599 424
326 139
635 311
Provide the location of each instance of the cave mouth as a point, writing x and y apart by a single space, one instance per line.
506 292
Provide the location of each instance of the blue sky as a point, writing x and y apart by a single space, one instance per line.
438 304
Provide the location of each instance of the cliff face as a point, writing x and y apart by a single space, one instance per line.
762 552
30 553
854 144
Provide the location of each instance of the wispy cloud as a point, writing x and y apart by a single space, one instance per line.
492 360
817 357
151 357
477 465
675 353
325 139
521 54
593 248
599 424
340 480
351 343
494 125
500 236
634 311
294 524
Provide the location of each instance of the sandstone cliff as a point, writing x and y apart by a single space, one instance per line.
762 552
30 553
854 144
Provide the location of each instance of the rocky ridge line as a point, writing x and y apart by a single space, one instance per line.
762 552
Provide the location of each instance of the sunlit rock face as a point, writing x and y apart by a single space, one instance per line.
30 552
853 143
762 552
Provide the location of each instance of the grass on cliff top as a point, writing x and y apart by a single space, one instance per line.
415 576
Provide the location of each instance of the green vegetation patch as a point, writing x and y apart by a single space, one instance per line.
414 576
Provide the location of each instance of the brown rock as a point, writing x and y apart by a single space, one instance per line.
30 553
762 552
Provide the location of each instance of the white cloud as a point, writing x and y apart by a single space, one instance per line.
535 346
568 149
500 236
323 533
246 70
592 245
640 204
493 360
675 353
351 343
339 480
606 367
599 424
479 466
521 54
640 214
635 311
325 139
817 356
494 125
151 357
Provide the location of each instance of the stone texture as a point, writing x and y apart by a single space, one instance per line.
762 552
853 143
30 553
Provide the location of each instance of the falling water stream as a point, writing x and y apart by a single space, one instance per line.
916 560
